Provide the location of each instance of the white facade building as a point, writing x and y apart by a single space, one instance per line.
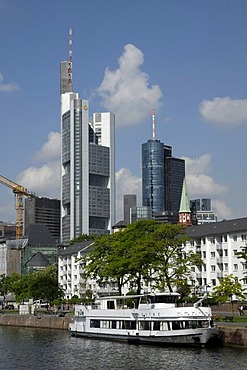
71 272
218 244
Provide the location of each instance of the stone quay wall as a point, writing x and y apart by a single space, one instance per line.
233 335
31 321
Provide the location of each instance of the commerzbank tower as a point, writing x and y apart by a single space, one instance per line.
87 163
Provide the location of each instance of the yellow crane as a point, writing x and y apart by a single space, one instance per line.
19 192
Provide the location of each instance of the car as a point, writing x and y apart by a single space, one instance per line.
9 307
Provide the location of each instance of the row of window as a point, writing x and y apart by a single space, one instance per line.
147 325
219 239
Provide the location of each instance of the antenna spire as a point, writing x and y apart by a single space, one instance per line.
153 123
70 57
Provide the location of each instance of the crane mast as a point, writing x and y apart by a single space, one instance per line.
19 192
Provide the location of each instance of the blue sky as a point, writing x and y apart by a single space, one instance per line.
185 59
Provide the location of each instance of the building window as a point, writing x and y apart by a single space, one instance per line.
225 238
213 282
204 254
243 237
235 238
226 266
235 267
212 254
225 252
204 240
212 240
235 252
213 268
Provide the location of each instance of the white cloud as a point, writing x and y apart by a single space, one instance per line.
44 180
224 110
126 183
51 148
126 91
201 185
9 86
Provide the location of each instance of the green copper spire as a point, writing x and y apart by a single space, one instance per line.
184 202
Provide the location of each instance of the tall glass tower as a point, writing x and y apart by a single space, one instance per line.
153 176
162 177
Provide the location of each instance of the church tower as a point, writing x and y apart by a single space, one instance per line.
184 210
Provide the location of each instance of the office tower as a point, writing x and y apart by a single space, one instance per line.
129 202
162 176
174 175
43 211
202 211
140 213
87 163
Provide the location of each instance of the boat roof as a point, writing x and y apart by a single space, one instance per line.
139 295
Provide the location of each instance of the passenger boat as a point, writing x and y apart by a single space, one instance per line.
145 319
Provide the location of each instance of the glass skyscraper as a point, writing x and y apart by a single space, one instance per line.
162 177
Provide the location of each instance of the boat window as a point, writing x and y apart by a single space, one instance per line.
104 324
110 305
94 323
164 325
156 325
144 325
130 325
163 298
177 325
113 324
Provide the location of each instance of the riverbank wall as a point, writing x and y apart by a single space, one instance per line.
39 321
233 335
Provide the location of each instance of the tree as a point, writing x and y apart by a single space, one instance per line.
39 285
172 265
243 255
228 287
44 285
146 251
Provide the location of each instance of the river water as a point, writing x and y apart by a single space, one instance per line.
35 349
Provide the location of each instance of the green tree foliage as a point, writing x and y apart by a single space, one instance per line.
243 255
82 238
145 251
39 285
228 287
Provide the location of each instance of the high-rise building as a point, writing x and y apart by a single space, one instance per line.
202 211
44 211
129 202
87 163
162 177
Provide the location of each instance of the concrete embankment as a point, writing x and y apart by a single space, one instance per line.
233 335
43 321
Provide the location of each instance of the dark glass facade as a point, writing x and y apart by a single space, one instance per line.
153 179
162 177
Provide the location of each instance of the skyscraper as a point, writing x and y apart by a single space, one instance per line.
129 202
87 163
43 211
162 176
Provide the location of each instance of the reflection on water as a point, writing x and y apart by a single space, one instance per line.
26 348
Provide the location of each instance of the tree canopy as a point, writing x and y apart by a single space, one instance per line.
229 286
146 252
39 285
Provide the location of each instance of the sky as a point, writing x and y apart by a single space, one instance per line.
185 59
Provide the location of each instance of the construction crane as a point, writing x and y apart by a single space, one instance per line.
19 192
